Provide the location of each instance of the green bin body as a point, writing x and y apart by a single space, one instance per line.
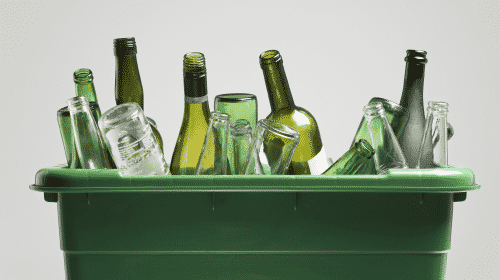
394 226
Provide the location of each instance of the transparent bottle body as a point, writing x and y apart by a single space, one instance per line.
213 159
241 134
278 143
433 147
90 146
388 153
129 137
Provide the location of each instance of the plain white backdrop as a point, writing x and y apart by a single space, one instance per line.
337 56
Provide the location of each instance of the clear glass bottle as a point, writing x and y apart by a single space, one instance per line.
436 124
196 116
129 137
412 100
310 156
213 158
128 85
66 130
90 146
241 132
388 153
350 162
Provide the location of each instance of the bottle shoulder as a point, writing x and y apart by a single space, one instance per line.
297 116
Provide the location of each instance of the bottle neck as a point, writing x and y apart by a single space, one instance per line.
87 90
195 85
128 85
196 113
278 90
413 87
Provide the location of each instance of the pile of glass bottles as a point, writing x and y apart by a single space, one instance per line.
231 140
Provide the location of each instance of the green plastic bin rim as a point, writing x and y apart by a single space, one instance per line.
60 179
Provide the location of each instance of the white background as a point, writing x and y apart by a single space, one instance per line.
337 55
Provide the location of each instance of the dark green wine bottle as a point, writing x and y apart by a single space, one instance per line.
352 160
412 100
128 85
309 156
196 116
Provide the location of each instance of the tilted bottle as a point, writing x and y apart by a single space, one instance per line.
350 162
412 100
128 85
309 156
196 116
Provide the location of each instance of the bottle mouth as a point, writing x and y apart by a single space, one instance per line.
416 56
77 103
373 109
269 57
365 148
280 129
194 62
241 127
83 76
437 106
216 116
388 104
125 45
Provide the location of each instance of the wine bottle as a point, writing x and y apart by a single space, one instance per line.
309 156
350 162
412 100
196 116
128 85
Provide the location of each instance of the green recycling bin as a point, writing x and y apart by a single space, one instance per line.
393 226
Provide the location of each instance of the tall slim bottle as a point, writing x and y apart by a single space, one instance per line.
196 116
412 100
309 156
128 85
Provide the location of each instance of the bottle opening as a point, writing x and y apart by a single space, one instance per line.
416 56
82 76
270 56
194 62
241 127
365 148
373 109
280 129
76 103
125 45
121 114
219 116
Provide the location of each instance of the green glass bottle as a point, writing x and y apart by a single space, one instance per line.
412 100
84 86
128 85
309 156
196 116
352 160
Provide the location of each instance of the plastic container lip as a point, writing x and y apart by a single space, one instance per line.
280 129
235 97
